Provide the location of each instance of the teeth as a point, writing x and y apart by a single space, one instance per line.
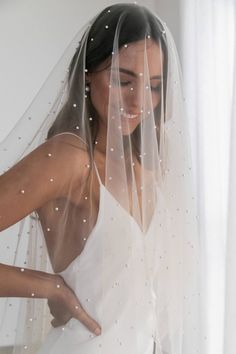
129 116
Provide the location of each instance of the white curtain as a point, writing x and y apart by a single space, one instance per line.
209 71
230 283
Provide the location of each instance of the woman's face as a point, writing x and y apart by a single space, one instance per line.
134 71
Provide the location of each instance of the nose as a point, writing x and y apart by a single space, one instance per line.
134 99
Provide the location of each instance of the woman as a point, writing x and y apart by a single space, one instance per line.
108 175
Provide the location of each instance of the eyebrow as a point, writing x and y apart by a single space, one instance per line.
131 73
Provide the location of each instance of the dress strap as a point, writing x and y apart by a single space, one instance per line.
96 169
70 133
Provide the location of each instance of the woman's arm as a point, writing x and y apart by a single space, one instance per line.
43 175
47 173
20 282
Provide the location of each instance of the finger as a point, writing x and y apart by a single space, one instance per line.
60 321
80 314
55 323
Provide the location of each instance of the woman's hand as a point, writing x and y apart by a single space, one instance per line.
64 305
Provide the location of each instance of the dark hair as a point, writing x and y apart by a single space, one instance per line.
137 23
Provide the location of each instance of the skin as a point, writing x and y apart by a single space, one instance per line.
71 153
132 85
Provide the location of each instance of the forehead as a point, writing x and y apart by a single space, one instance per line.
139 56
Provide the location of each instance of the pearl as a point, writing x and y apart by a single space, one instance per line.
112 149
22 270
31 319
33 294
74 105
84 238
110 178
95 142
22 191
56 208
90 118
86 70
51 179
77 127
84 220
76 307
126 45
25 347
49 154
58 286
85 198
106 26
109 11
91 39
87 165
149 36
140 74
48 229
131 89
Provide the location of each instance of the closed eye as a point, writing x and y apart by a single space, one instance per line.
125 83
156 88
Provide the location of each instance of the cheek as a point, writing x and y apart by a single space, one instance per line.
156 98
100 95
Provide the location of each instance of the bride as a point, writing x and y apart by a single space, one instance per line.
105 178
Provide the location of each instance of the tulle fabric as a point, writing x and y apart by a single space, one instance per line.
147 170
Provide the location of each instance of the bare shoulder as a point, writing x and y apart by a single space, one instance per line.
64 157
68 153
48 172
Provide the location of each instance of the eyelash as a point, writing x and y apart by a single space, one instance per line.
126 83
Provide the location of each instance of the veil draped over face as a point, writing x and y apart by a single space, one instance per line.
126 222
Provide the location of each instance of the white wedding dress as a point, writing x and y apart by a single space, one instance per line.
113 288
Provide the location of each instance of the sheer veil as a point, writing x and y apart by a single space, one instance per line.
142 152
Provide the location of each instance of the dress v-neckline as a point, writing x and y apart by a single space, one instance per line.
127 213
102 186
102 191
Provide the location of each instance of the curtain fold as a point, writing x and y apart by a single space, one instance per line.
208 57
230 268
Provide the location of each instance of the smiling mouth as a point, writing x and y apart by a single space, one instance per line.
129 116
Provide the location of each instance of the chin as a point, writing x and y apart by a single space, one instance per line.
129 131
